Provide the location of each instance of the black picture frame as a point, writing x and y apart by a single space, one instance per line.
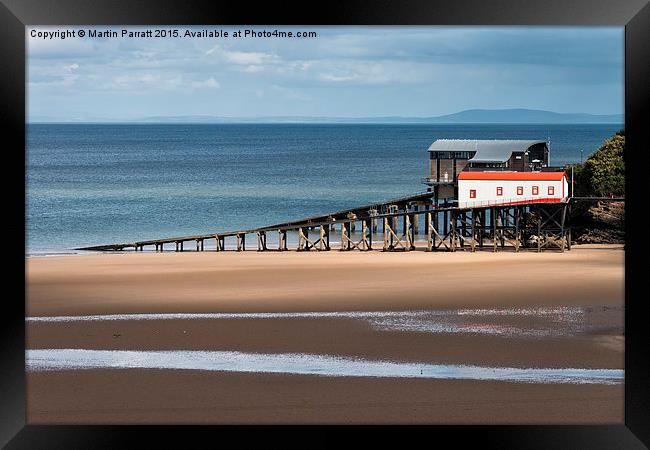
15 15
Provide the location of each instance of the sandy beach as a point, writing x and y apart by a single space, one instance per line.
328 281
546 310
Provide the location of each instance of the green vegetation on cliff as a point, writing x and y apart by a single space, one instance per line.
603 173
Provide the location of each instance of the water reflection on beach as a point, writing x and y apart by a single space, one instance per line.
530 322
305 364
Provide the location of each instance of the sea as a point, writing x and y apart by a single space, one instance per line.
92 184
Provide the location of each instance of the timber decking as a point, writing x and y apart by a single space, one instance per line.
446 227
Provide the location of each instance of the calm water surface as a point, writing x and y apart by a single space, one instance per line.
96 184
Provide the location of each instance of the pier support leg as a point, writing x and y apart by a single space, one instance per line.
409 233
517 232
461 229
303 242
282 240
416 220
562 229
493 223
452 237
366 241
349 234
445 223
436 228
386 233
481 227
393 221
427 228
427 223
261 241
503 223
568 235
539 232
368 231
473 241
328 230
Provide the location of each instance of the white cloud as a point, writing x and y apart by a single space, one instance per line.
63 81
253 69
71 67
210 83
247 58
253 61
144 81
212 50
372 72
147 81
338 78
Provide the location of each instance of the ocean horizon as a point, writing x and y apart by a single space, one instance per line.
90 184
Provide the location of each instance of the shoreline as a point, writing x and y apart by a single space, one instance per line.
420 244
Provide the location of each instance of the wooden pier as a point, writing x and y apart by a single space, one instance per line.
535 225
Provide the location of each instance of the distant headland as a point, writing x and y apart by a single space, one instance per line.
469 116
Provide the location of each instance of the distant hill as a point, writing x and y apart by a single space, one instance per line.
505 116
513 116
524 116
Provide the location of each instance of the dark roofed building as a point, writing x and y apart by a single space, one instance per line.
449 157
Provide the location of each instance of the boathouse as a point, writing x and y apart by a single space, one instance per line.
450 157
500 188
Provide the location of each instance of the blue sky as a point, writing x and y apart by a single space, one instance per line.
343 72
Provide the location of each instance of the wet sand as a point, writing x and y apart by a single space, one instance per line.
601 347
159 396
588 280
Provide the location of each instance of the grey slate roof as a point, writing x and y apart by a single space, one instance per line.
486 150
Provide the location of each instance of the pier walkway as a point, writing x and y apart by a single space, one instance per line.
534 224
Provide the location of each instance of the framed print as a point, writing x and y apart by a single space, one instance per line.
421 213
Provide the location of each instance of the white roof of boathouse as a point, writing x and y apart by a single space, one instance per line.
487 150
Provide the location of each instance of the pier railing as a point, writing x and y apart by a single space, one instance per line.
535 223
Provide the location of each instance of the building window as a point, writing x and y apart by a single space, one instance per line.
551 190
472 193
520 190
499 190
535 190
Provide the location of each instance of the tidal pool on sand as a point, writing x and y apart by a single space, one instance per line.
305 364
531 322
